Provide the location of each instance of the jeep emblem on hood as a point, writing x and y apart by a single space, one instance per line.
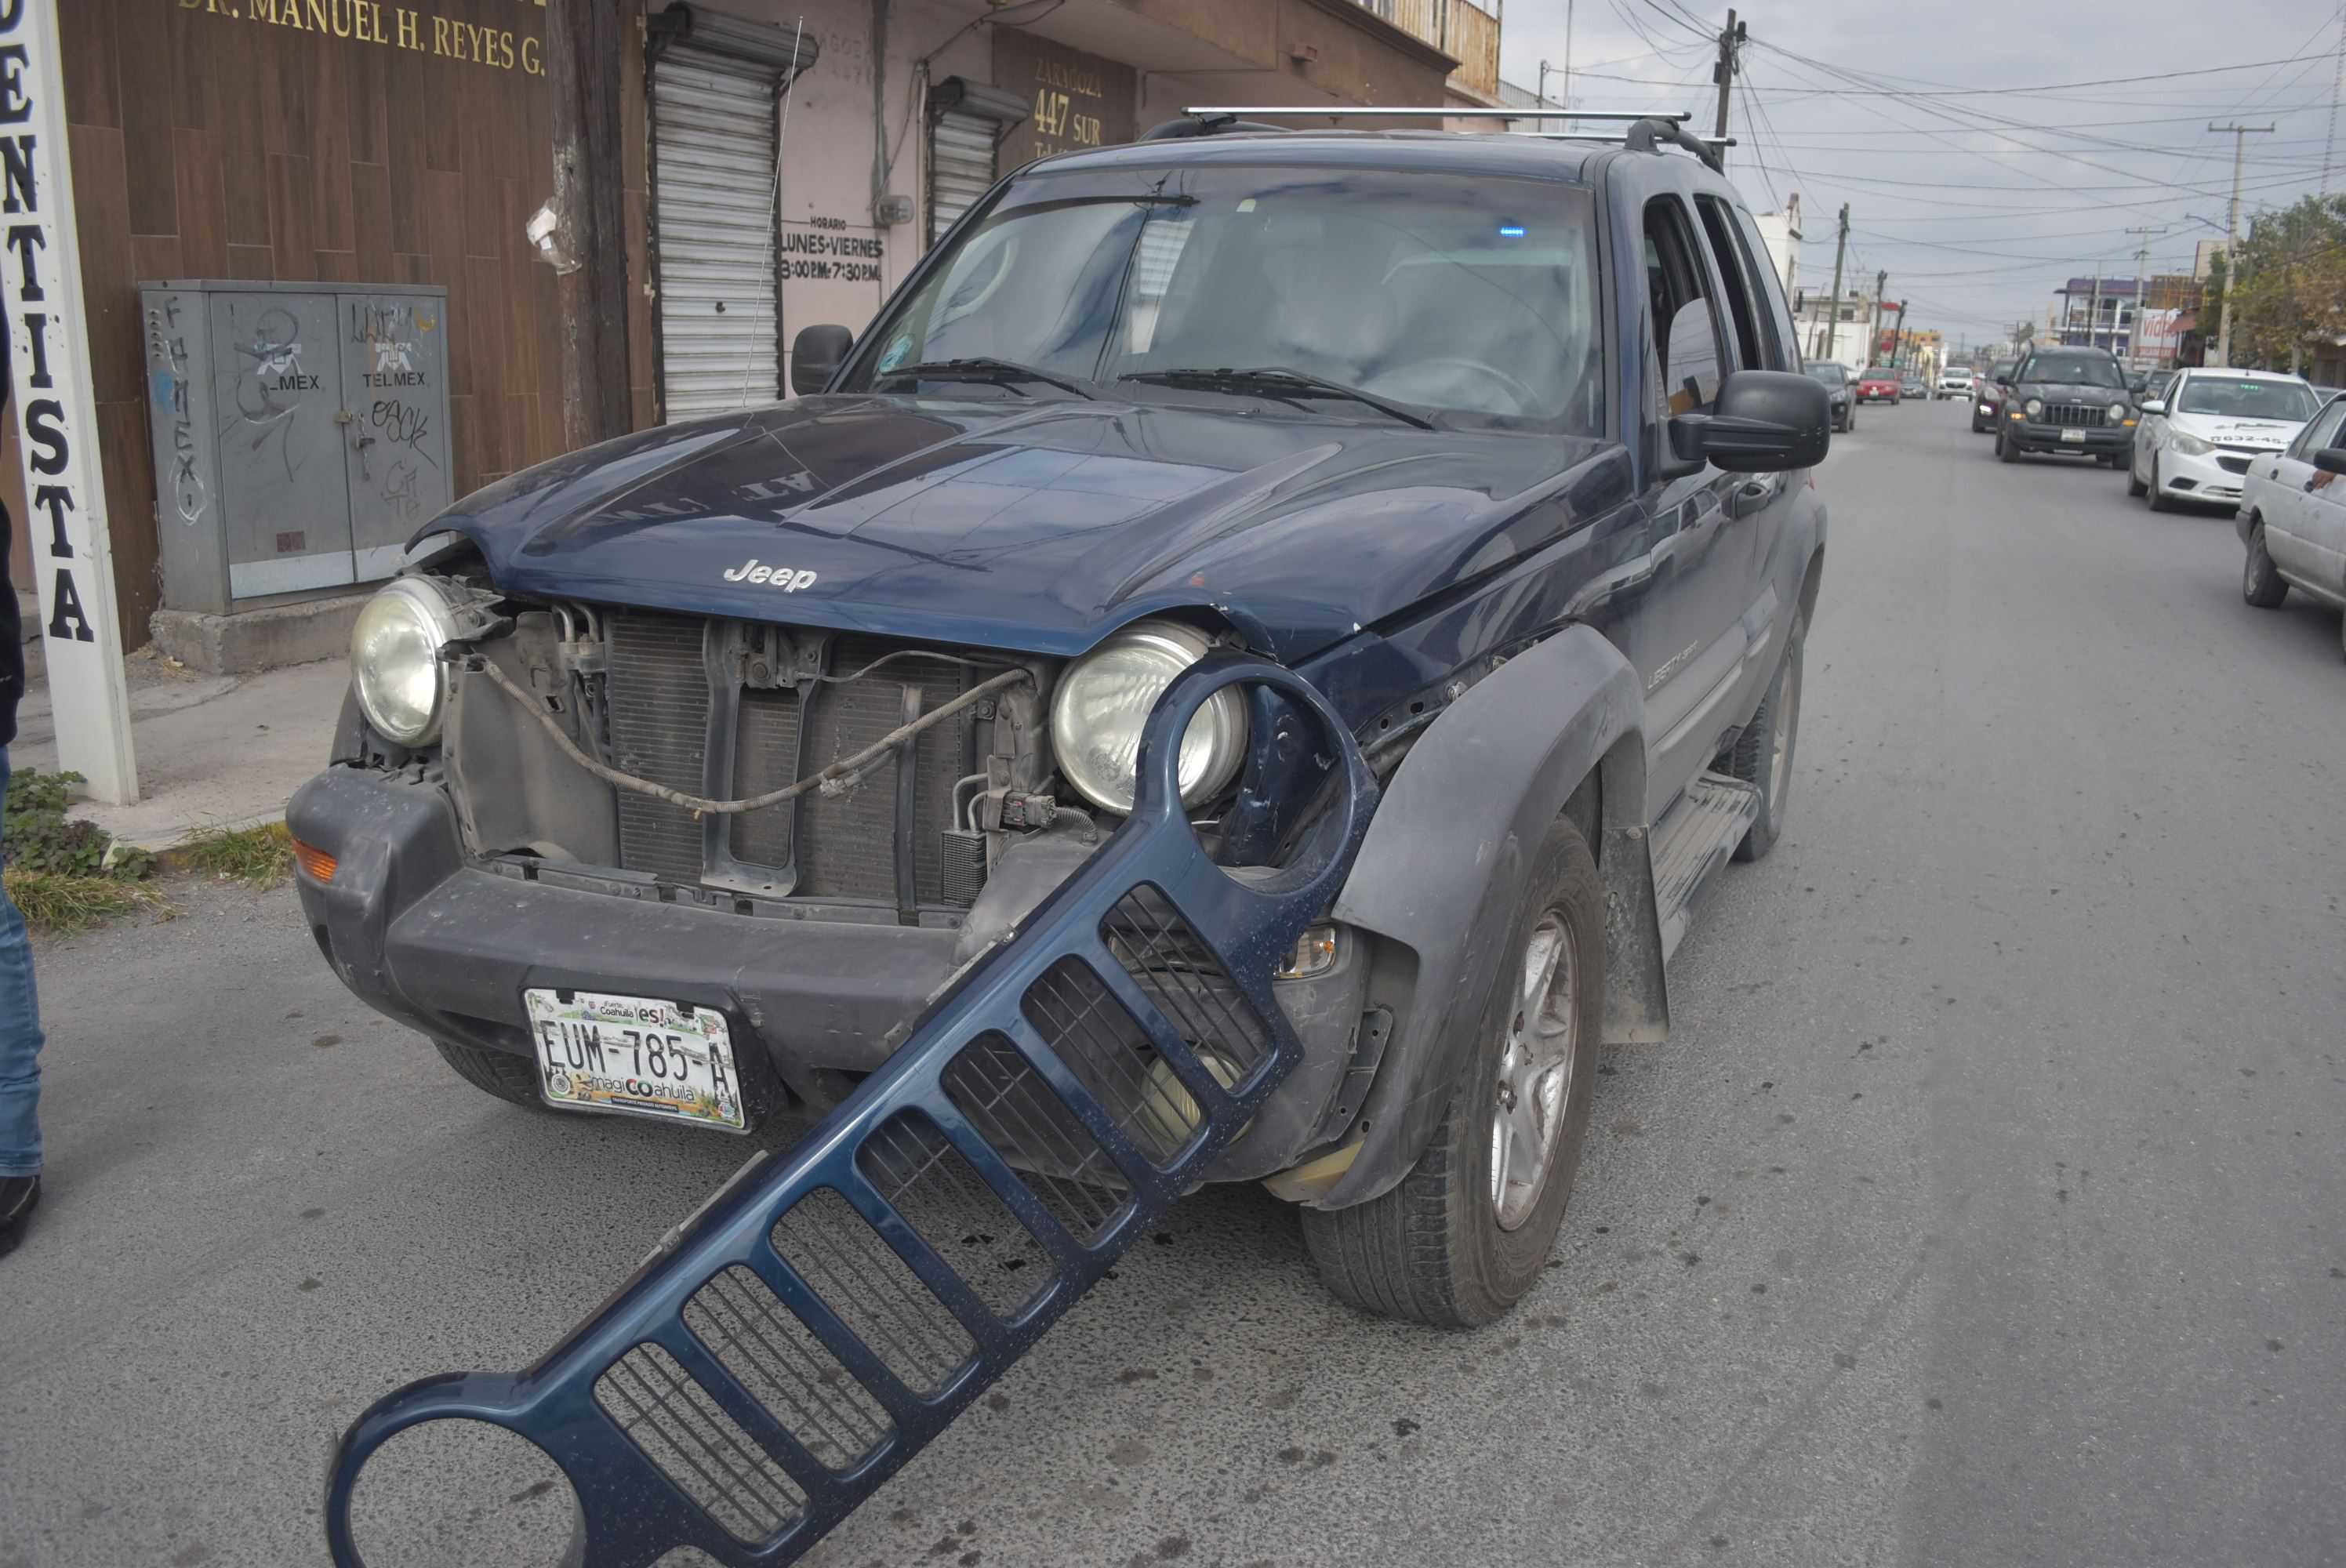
780 577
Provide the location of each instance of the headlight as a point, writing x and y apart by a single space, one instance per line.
395 659
2190 445
2118 411
1103 700
2032 407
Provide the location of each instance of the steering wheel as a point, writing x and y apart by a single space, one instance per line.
1526 401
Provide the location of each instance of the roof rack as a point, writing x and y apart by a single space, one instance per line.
1646 133
1370 111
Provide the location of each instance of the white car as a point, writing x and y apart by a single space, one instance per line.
2293 517
2195 442
1954 382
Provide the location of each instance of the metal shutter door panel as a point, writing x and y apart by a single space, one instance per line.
713 135
961 167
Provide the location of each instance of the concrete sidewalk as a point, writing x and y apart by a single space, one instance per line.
214 750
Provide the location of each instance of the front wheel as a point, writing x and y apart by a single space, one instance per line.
2159 500
1762 755
2261 583
1465 1234
511 1077
2006 449
2135 486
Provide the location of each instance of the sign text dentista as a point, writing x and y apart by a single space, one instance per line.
394 25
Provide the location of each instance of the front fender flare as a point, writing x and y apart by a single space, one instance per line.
1443 864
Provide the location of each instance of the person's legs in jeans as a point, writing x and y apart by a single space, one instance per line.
20 1038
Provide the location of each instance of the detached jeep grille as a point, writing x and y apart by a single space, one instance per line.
662 701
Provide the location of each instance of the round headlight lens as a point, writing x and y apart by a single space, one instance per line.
2118 411
2032 407
1104 701
395 659
2190 445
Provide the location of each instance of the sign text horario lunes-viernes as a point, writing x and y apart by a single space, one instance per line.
395 26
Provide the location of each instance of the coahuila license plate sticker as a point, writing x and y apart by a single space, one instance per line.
638 1055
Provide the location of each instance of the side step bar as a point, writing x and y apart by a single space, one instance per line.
1694 838
792 1343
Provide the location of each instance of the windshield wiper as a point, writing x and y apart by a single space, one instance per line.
1277 382
983 368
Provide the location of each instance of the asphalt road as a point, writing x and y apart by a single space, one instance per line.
1985 1207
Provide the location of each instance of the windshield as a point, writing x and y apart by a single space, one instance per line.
1473 301
1831 374
2243 398
2076 370
2001 370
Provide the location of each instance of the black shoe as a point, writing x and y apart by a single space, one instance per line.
17 1196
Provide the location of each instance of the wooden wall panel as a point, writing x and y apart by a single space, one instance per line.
212 145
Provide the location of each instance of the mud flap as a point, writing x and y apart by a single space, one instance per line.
792 1343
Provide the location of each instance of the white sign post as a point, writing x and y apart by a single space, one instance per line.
40 271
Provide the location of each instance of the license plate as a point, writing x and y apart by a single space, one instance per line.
2074 437
635 1056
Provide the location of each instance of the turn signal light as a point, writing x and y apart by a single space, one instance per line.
314 861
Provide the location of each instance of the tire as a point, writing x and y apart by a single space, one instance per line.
1433 1250
1762 755
2261 583
2006 449
509 1077
2160 500
2133 486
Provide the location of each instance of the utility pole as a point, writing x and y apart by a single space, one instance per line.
1873 344
1723 73
1832 306
583 63
2240 135
2141 289
2094 310
1898 335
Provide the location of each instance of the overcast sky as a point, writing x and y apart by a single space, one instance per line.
1979 205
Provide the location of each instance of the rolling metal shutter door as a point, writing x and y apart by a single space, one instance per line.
961 166
713 142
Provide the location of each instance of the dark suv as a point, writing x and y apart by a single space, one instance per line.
2069 400
1499 444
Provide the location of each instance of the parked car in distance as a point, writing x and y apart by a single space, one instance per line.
2293 518
1955 381
1988 395
1841 390
1877 384
2065 399
1120 422
1912 384
2198 441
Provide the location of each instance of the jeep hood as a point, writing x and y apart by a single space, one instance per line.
1037 526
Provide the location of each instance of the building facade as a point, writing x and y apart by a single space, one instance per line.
783 164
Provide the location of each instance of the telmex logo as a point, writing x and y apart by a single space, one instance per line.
782 577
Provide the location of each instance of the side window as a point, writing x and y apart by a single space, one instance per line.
1735 283
2320 432
1686 357
1767 295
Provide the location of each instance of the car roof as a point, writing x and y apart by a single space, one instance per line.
1465 153
2227 372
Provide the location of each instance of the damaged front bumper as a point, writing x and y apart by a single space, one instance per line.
448 945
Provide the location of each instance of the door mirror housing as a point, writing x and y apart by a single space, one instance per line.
816 354
2153 406
1765 421
2331 460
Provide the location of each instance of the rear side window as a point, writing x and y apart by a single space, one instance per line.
1768 294
1736 283
1686 359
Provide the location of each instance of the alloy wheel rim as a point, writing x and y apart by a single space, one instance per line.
1535 1079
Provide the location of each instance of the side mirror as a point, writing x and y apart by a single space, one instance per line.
1765 421
2153 406
2331 460
816 354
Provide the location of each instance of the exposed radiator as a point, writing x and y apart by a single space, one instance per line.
659 713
